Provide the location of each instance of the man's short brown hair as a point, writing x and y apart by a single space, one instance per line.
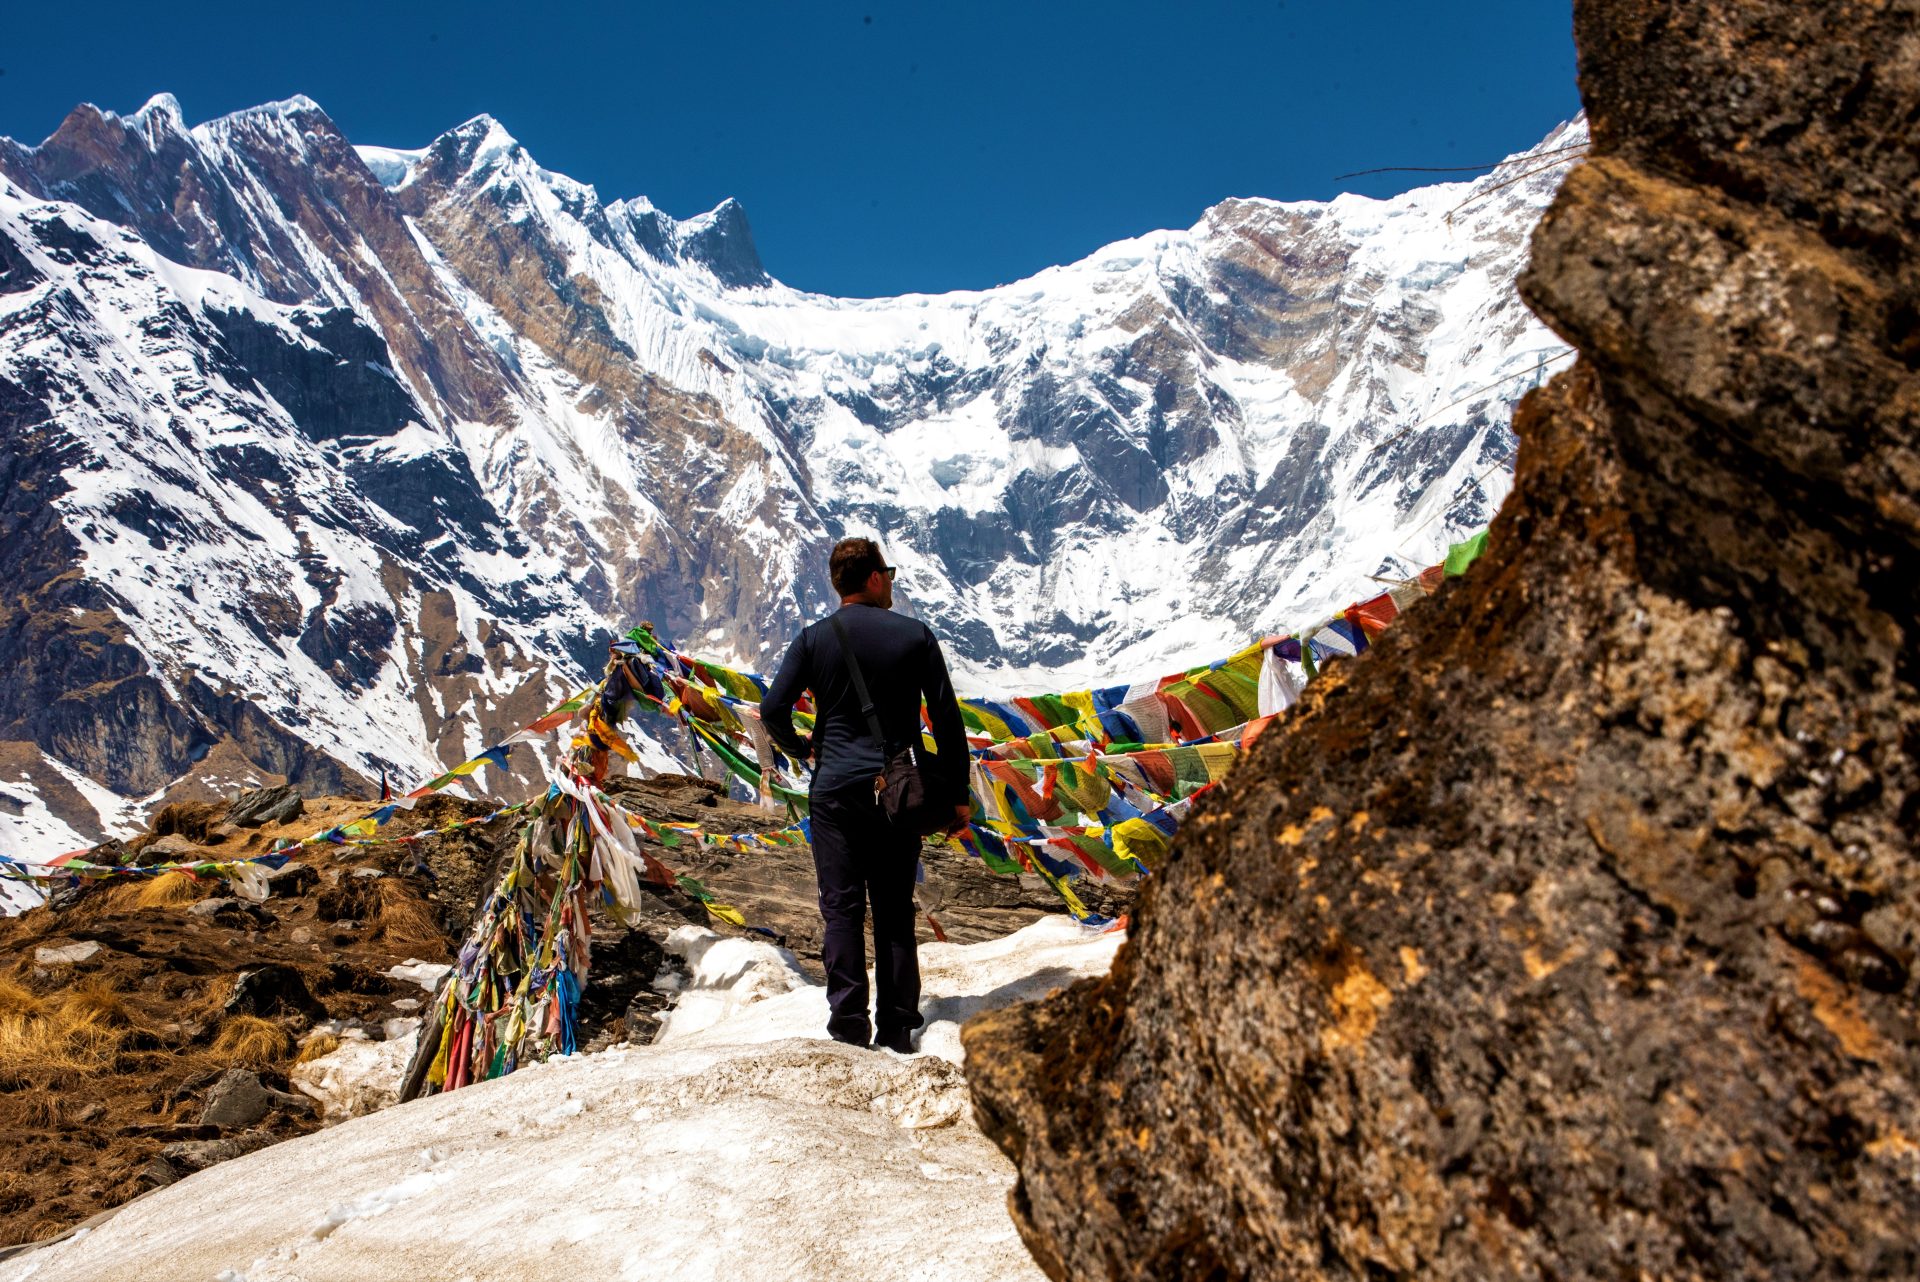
852 563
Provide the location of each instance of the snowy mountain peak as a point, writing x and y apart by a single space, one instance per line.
160 123
349 458
728 212
160 112
285 108
480 156
89 134
721 241
475 147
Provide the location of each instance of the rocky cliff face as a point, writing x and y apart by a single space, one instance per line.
325 460
1571 934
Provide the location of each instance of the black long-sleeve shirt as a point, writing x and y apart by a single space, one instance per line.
902 663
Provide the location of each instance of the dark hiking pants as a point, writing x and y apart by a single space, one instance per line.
862 860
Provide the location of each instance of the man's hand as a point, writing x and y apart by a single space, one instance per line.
962 815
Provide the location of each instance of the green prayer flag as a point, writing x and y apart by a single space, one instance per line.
1462 555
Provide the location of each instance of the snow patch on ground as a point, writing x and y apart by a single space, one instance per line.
16 897
426 974
360 1075
727 975
29 830
754 1147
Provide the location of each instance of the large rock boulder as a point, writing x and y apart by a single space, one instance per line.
276 988
239 1098
1571 934
256 806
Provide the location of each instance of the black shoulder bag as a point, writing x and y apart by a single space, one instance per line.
903 787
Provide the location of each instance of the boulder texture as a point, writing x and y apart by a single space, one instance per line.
258 806
237 1099
1571 933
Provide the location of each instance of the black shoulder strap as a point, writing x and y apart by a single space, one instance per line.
859 681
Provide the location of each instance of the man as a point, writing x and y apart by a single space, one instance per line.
860 856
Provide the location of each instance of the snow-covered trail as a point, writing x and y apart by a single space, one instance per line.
753 1147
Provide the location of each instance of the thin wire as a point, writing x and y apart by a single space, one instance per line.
1455 501
1482 195
1469 396
1455 169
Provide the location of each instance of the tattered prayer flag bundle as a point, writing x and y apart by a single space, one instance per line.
513 996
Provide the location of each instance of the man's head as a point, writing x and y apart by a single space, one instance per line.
860 573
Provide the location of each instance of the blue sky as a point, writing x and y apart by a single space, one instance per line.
879 147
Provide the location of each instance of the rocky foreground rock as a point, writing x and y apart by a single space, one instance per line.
1570 935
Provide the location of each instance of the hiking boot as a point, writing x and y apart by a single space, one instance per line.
900 1043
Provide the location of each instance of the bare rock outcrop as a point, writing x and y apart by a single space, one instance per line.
1571 934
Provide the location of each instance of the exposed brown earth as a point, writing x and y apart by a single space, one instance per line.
1571 934
107 1062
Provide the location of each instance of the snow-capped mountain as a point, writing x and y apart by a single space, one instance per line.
323 460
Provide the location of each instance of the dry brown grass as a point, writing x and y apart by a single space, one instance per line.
212 1004
43 1110
115 897
167 890
193 820
71 1033
402 917
251 1041
80 1030
316 1046
17 999
135 1061
97 998
31 1110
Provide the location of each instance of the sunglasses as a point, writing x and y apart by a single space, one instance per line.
889 571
